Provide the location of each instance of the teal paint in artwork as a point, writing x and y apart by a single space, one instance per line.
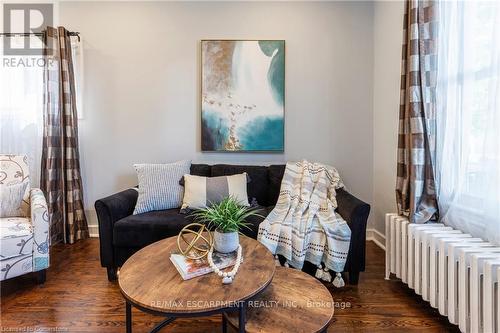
263 133
216 127
276 74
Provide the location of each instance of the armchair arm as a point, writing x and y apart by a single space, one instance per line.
109 210
40 222
355 212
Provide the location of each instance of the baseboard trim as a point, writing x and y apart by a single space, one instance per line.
94 231
376 236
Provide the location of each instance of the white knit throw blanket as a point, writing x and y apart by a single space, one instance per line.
303 225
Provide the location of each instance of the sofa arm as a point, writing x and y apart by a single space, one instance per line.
40 222
109 210
355 212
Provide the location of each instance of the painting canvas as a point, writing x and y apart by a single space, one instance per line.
243 88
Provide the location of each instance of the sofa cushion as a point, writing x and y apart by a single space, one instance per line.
143 229
204 170
257 187
276 173
255 221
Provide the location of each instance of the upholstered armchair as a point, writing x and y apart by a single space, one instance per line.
24 239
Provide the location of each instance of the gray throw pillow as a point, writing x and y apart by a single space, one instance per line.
11 199
159 187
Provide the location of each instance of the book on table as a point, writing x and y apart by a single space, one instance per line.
191 268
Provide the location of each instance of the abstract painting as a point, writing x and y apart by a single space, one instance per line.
242 95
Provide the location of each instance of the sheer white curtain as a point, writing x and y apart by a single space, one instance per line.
21 107
21 102
468 114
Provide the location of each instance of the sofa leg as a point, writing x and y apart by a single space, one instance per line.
353 277
111 274
41 276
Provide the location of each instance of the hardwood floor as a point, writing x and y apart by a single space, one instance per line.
77 297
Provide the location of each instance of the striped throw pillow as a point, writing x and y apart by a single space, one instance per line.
159 187
202 191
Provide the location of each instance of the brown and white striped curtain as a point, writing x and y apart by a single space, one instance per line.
415 187
61 179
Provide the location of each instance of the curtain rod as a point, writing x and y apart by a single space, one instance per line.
26 34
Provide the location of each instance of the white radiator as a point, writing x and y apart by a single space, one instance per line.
455 272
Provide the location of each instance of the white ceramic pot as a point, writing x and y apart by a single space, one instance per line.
225 242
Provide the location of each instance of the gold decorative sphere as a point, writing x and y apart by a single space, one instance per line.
201 241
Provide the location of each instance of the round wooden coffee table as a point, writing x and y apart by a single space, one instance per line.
150 282
293 302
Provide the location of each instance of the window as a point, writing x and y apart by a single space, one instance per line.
21 107
21 102
468 116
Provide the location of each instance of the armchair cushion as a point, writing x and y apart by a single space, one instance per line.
14 170
11 199
16 236
16 266
16 247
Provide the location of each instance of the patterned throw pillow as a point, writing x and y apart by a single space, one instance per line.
11 199
159 187
202 191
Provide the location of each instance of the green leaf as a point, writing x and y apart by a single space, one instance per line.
228 215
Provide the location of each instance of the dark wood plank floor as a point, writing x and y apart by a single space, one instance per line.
77 297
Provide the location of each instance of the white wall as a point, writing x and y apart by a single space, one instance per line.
388 34
141 98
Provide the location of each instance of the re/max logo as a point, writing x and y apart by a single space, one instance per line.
25 19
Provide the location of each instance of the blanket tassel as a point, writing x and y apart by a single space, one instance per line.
277 260
338 281
319 272
327 277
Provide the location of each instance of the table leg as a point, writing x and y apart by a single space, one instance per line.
162 324
224 323
241 317
128 316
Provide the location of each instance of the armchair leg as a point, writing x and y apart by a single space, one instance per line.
41 276
353 277
111 274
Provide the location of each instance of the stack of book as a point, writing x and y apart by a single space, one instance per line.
191 268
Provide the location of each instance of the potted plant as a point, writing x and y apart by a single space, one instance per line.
227 217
